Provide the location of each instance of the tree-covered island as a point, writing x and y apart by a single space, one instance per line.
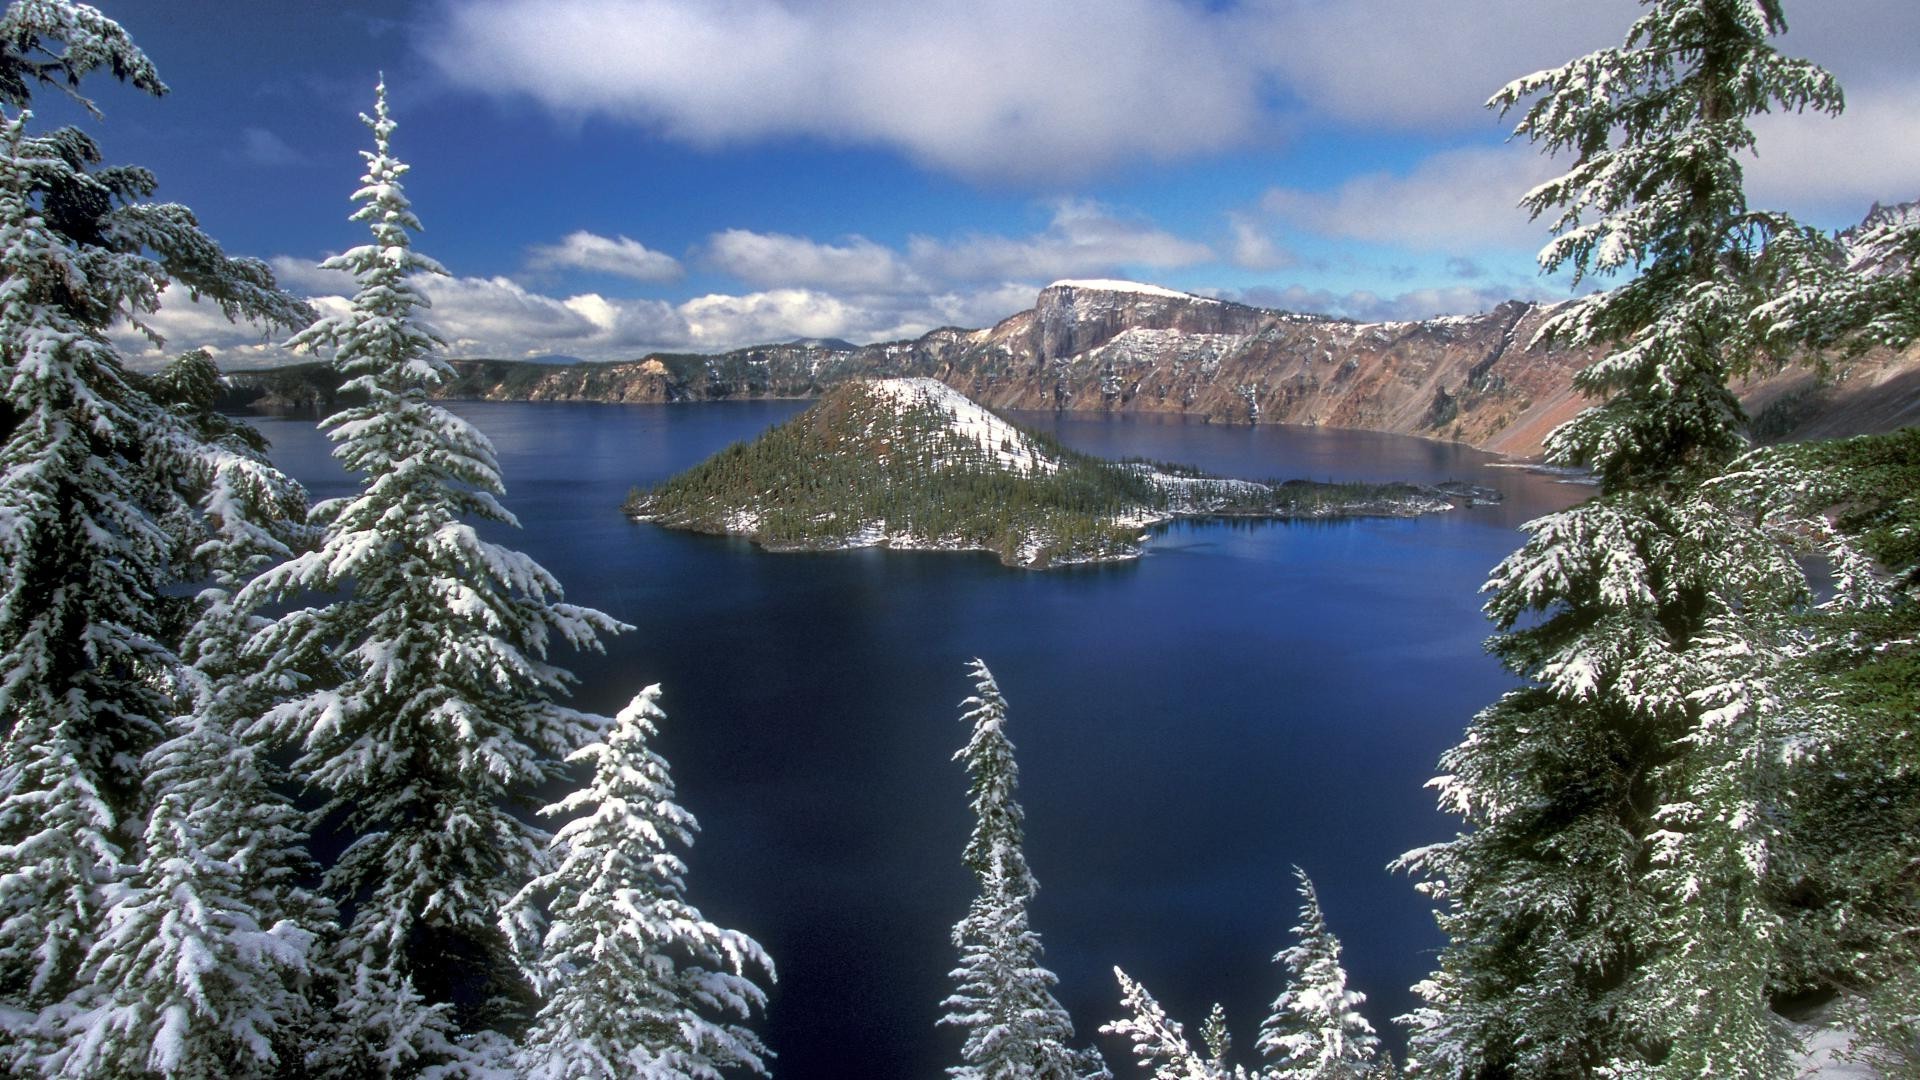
913 463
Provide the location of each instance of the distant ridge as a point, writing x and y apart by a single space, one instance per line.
1119 346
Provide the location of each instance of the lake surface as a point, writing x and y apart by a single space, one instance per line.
1189 726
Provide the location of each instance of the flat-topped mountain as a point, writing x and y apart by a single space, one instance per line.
913 463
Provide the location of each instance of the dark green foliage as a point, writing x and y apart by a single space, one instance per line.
1850 899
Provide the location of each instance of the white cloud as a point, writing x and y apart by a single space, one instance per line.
263 147
1013 91
994 90
305 278
1084 239
1877 138
777 259
1254 245
619 255
1456 200
186 324
1418 63
498 317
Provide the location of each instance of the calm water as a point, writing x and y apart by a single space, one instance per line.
1189 726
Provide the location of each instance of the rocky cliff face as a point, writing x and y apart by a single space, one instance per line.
1119 346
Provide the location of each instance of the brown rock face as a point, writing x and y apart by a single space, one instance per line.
1099 346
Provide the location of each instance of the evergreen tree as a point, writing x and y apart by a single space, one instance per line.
96 502
1315 1031
1840 683
417 687
205 961
1160 1044
1015 1028
627 970
1613 792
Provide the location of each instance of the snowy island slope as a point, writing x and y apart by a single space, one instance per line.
912 463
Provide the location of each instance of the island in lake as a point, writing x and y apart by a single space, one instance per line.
915 464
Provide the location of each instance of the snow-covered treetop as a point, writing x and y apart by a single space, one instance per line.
994 849
1315 1028
1659 130
380 340
1656 127
1140 288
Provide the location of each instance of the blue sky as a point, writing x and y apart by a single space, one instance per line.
608 177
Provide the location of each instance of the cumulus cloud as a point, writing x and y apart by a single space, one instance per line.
583 250
498 317
1083 239
305 277
186 323
1878 138
1010 91
262 147
1416 64
778 259
1254 245
1456 199
999 89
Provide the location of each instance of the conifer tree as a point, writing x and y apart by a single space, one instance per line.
1160 1044
1015 1028
207 954
96 504
1611 792
1839 682
417 686
1315 1031
628 972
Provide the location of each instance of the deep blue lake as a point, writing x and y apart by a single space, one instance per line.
1189 726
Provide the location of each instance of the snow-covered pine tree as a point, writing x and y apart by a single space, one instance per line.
1160 1044
1015 1029
1571 950
417 685
92 503
629 974
1315 1030
207 952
